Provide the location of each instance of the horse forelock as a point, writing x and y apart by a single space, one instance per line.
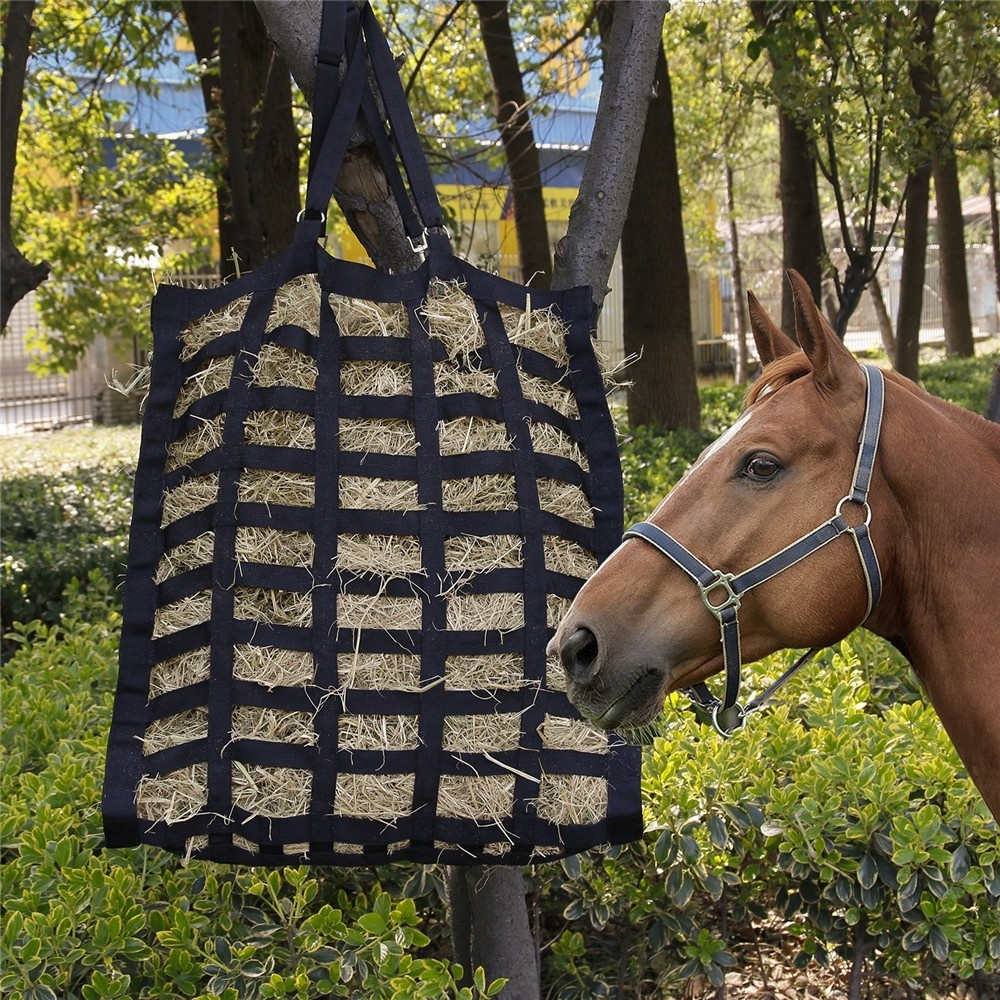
777 374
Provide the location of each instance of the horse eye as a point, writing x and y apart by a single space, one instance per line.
762 468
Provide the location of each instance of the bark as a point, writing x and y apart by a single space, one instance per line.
911 282
20 276
518 142
953 272
884 319
994 228
992 409
740 318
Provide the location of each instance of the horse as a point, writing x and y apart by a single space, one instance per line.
768 543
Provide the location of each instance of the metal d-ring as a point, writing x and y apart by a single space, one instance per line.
735 709
725 581
863 504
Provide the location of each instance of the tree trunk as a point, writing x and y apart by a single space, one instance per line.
20 276
994 228
992 409
518 141
740 319
911 282
884 319
951 240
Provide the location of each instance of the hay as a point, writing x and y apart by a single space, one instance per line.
272 666
213 325
379 671
450 316
378 732
378 611
555 676
184 727
193 610
451 377
273 547
478 553
482 612
193 845
474 733
191 495
294 850
384 797
486 798
280 429
565 499
494 492
205 436
559 733
273 607
555 609
361 318
296 303
363 493
388 556
195 552
180 671
468 434
213 376
173 797
277 725
278 365
539 329
571 799
541 390
379 437
491 671
273 792
550 440
564 556
375 378
271 486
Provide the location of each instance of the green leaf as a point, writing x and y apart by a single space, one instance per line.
960 863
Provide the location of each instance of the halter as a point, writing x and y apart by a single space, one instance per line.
721 592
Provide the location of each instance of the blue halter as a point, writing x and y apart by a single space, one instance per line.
721 592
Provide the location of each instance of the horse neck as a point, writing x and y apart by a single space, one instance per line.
942 589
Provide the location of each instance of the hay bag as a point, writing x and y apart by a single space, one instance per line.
363 502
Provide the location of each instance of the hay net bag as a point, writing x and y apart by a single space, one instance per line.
363 502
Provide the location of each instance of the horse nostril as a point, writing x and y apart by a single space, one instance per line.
579 655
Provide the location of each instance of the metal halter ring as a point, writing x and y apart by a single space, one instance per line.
734 709
725 581
863 504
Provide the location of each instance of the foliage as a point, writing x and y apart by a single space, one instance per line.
964 381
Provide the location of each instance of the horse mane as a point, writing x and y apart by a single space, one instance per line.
778 373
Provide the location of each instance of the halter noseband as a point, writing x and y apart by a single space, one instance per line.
721 592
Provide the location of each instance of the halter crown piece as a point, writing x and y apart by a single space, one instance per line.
722 592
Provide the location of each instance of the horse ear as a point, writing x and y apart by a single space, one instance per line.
771 341
833 365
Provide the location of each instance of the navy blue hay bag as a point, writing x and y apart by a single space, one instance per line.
363 502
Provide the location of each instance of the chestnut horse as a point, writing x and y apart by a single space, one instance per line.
769 532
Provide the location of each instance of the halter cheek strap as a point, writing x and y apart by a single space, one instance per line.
721 592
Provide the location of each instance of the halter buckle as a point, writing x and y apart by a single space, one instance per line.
725 581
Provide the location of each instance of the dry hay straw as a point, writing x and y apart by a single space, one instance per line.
570 799
378 611
383 797
451 378
191 495
541 390
278 365
280 429
213 325
560 733
271 791
274 724
481 612
565 556
540 329
489 731
479 553
180 671
451 317
550 440
213 376
197 551
361 318
173 797
375 378
273 607
556 608
184 727
378 732
274 547
296 303
555 676
379 671
272 486
482 797
467 434
490 671
388 556
203 437
364 493
493 492
565 499
192 610
378 437
272 666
